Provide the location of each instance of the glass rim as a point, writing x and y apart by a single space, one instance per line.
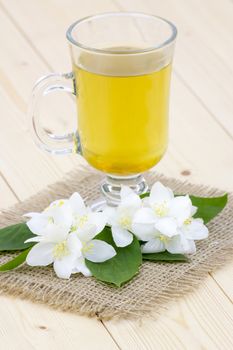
165 43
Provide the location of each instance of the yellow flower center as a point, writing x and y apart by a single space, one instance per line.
188 221
75 145
50 220
80 221
161 209
60 250
58 204
163 239
125 222
87 247
55 205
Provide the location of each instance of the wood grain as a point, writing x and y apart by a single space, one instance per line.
32 44
7 196
27 326
202 320
189 125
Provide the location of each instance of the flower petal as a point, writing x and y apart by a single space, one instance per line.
144 232
32 214
63 267
195 230
87 233
34 239
180 245
167 226
99 220
38 223
99 251
153 246
126 191
110 213
56 233
61 215
191 249
180 208
57 203
80 266
159 193
121 236
74 245
40 254
129 198
144 216
77 204
143 225
193 210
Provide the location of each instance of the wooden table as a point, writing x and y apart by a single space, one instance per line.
32 38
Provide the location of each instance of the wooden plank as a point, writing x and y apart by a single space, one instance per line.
7 197
26 168
28 326
183 114
19 155
181 158
188 124
50 38
224 279
203 320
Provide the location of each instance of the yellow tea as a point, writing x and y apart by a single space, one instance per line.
123 120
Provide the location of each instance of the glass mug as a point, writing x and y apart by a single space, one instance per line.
121 79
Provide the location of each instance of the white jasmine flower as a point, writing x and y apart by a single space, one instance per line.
65 232
57 214
162 211
120 218
166 223
57 246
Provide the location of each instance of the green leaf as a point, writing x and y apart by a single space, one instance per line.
122 267
18 260
165 256
208 208
143 195
13 237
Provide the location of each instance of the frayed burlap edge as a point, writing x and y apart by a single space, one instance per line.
149 292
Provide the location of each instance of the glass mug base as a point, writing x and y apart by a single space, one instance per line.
111 188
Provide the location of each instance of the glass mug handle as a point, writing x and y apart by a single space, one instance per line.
55 144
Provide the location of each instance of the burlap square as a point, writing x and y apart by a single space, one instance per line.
150 290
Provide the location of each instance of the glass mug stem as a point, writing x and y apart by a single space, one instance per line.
112 185
121 81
